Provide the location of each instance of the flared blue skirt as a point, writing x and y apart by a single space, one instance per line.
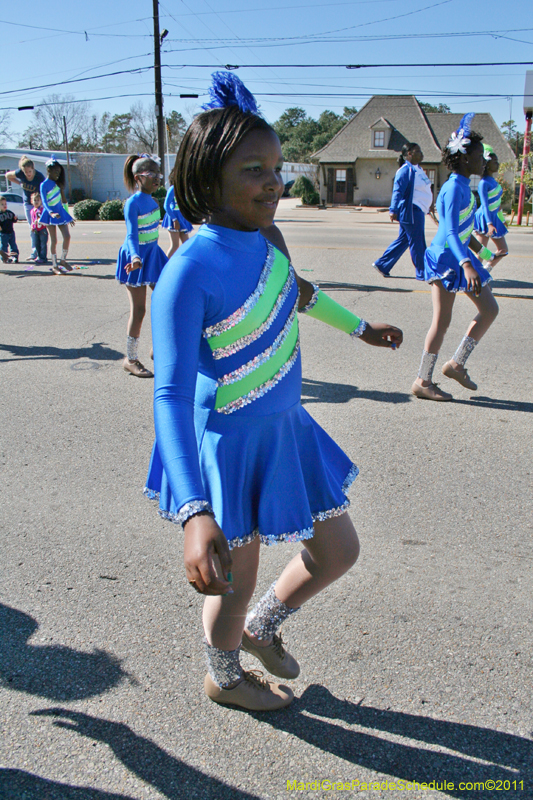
63 219
481 225
269 476
153 261
441 265
168 222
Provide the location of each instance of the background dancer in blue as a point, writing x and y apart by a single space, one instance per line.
237 459
450 266
412 199
55 214
140 259
490 222
174 222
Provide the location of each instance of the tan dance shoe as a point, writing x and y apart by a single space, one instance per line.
137 369
459 374
431 392
253 693
274 657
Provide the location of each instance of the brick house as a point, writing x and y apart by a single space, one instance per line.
358 165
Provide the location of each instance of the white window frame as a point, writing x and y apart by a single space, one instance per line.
381 135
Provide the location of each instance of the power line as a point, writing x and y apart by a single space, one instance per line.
352 66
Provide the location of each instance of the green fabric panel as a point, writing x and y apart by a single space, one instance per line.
332 313
464 214
149 219
225 394
54 196
500 216
149 236
258 314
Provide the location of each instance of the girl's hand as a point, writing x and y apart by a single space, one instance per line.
473 281
393 217
204 539
53 214
72 223
136 264
382 335
176 225
492 229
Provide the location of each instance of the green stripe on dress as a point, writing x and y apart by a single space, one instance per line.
149 219
264 373
148 236
464 214
259 313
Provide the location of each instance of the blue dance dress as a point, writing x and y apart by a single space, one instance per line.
231 433
490 194
456 206
51 198
172 214
142 216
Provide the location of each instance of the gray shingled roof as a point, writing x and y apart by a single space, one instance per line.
404 115
444 124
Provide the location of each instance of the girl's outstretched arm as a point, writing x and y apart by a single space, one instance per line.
314 302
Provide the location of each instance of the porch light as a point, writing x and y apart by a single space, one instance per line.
378 174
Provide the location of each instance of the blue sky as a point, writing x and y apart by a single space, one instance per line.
47 44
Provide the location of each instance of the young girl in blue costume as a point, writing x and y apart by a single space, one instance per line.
174 222
451 267
55 214
237 460
490 222
140 259
412 199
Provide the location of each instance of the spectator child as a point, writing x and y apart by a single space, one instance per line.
30 180
7 234
39 234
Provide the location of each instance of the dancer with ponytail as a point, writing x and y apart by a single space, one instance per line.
412 199
490 222
55 214
451 267
140 259
237 460
174 222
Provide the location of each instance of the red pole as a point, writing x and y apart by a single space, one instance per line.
524 164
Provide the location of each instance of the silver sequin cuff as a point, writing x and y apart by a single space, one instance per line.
190 509
464 350
266 617
427 365
361 328
223 666
312 302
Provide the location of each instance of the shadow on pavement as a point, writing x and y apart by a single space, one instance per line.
491 402
16 784
52 671
98 351
153 765
510 283
511 756
332 286
324 392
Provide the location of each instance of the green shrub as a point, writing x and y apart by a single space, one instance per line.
160 192
77 195
87 209
303 188
112 210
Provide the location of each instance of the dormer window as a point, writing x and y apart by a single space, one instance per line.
379 138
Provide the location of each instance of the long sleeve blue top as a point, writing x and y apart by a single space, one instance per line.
456 207
402 194
142 217
214 281
490 192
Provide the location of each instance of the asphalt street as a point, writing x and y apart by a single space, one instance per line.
416 665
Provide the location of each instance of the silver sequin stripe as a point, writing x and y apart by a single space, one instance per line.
312 302
261 390
464 350
451 273
267 615
361 328
244 341
237 316
262 358
223 666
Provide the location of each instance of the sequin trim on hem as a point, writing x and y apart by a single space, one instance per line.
361 328
451 273
312 301
226 324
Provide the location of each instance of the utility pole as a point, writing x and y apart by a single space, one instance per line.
528 111
159 90
68 156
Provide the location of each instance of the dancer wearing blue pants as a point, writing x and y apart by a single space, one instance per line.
412 199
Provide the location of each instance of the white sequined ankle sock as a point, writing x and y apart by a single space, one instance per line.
464 350
132 348
223 666
267 615
427 365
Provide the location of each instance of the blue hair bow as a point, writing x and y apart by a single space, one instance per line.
228 90
459 138
51 160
